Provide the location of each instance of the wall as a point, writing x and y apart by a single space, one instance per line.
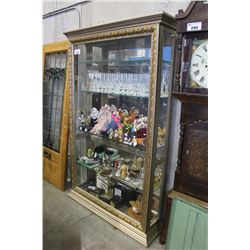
90 13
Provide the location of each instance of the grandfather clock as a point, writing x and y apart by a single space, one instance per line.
191 89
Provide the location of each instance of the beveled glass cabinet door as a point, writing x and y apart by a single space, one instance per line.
162 123
55 112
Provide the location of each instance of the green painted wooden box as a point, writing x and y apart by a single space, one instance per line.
188 226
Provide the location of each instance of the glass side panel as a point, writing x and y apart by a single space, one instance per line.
162 124
111 100
53 89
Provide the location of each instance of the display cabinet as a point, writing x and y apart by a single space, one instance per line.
119 93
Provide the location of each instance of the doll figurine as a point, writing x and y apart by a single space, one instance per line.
133 113
104 118
84 122
126 124
125 138
93 116
123 113
114 122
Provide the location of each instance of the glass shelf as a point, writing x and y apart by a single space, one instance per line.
118 63
116 93
130 183
141 95
135 183
126 84
141 62
139 150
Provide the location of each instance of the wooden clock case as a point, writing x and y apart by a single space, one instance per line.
191 175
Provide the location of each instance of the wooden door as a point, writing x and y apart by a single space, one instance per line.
55 112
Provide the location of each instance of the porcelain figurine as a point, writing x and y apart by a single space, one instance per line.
116 134
90 153
111 134
134 141
161 135
123 171
120 134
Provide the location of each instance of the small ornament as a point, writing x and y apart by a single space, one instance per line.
111 134
94 113
116 134
125 138
118 172
134 141
127 178
120 134
161 136
123 171
89 153
136 205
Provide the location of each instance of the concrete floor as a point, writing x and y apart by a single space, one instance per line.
69 226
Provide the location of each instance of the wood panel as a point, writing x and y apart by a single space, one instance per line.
190 97
191 112
191 176
195 12
190 185
195 150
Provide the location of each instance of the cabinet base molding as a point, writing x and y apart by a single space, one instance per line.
136 234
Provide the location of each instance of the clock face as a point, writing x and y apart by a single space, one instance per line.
199 64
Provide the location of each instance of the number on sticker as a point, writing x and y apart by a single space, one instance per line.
194 28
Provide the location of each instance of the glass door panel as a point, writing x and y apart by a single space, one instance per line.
162 124
111 111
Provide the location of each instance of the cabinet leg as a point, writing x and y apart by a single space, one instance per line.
163 233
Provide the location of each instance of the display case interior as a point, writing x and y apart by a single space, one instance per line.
112 91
